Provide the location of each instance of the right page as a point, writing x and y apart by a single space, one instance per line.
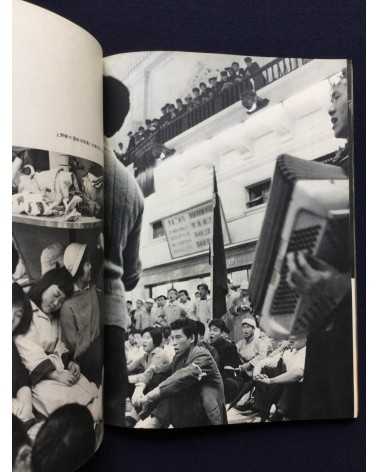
235 264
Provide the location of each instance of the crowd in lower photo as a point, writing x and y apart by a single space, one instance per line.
187 369
57 360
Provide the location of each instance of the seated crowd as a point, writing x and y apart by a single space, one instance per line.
245 81
57 361
184 367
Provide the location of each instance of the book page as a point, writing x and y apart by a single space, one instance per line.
241 311
57 251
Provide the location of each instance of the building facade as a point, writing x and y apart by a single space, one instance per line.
243 149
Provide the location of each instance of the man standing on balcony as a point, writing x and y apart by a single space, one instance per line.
181 108
215 87
189 102
253 71
205 92
197 98
225 82
164 115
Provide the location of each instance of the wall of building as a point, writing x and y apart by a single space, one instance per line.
243 148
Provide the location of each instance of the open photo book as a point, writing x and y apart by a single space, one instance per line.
183 240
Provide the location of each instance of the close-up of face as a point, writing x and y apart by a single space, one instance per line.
247 331
147 342
172 295
338 111
180 342
160 301
17 312
52 299
249 100
139 304
202 292
215 333
182 297
132 339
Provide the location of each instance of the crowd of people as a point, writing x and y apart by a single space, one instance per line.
185 366
57 360
245 80
228 361
168 362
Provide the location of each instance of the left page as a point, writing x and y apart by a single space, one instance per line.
57 216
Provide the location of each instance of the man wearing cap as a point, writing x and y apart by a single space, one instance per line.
172 310
80 314
238 309
251 348
203 310
185 302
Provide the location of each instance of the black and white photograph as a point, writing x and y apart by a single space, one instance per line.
240 309
57 292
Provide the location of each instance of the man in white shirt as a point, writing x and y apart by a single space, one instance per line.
203 306
186 303
172 310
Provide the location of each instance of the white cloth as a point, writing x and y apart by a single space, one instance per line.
44 341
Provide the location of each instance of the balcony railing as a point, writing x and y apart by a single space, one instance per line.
266 75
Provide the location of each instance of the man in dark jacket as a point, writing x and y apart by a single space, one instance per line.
193 394
228 357
122 226
252 70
